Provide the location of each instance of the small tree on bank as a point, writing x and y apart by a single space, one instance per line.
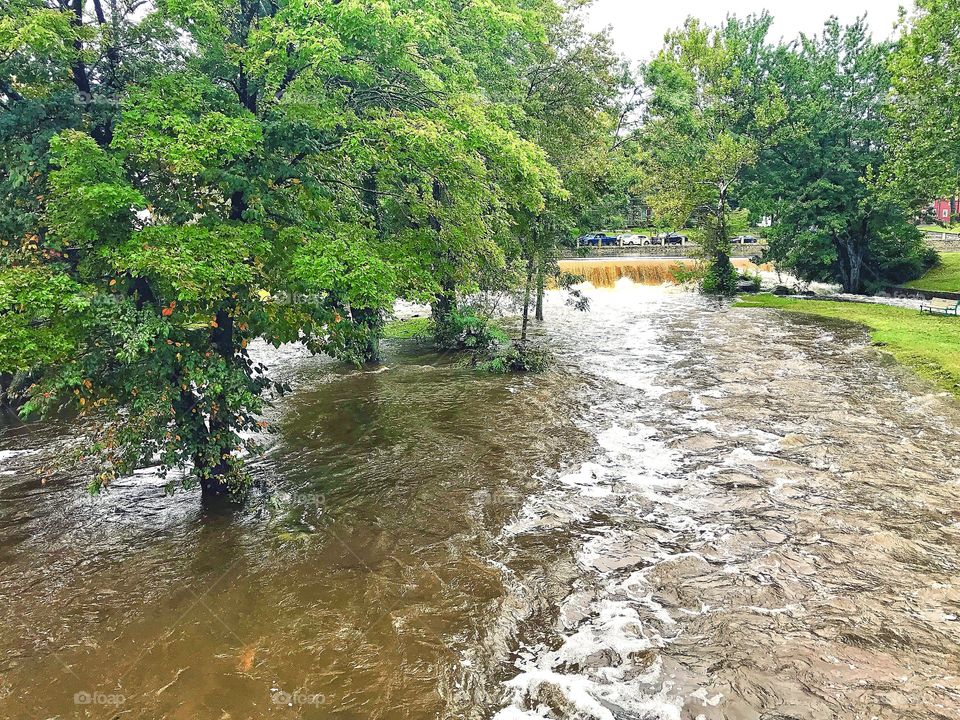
711 107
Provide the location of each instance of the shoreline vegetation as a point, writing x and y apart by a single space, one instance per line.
929 345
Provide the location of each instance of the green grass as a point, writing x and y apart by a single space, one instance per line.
928 344
939 228
407 329
944 277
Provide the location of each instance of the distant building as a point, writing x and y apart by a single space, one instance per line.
945 208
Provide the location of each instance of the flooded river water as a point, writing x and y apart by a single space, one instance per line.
701 512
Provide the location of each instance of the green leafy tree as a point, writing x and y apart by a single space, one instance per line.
819 176
579 106
284 177
712 105
924 107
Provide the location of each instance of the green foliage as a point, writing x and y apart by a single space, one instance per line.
753 278
466 330
819 179
182 182
712 109
522 358
40 317
90 200
720 279
688 274
410 329
924 107
196 264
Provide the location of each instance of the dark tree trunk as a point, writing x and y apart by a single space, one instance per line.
238 205
370 350
446 302
215 474
527 289
850 255
541 280
6 380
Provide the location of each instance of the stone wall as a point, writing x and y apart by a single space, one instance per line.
943 241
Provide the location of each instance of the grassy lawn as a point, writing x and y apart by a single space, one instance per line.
945 277
929 345
407 329
939 228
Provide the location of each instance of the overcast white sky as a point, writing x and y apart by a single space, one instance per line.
639 25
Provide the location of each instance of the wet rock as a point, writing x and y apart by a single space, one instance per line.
641 663
696 443
781 290
576 608
551 696
678 398
736 481
794 440
604 658
621 713
773 537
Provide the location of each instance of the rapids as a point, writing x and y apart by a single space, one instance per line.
701 512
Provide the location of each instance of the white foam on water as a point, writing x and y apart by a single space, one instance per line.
10 454
605 664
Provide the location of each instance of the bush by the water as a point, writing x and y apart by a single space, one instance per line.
465 330
720 279
516 358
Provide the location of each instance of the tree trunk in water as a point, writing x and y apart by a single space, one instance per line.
370 349
527 288
856 265
445 303
214 480
540 287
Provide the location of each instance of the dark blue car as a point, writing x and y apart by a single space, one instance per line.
597 240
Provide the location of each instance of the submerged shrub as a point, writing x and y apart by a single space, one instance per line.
748 277
517 358
720 279
463 329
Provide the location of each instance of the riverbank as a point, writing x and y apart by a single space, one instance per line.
945 277
930 345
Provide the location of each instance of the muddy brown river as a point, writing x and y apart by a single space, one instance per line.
700 512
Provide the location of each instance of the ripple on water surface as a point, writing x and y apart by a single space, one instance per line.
701 512
777 531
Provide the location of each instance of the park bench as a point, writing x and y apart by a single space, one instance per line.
941 306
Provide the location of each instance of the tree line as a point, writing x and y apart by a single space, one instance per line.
175 171
839 140
182 178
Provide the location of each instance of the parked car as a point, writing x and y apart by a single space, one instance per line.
674 239
745 240
597 240
654 240
631 239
